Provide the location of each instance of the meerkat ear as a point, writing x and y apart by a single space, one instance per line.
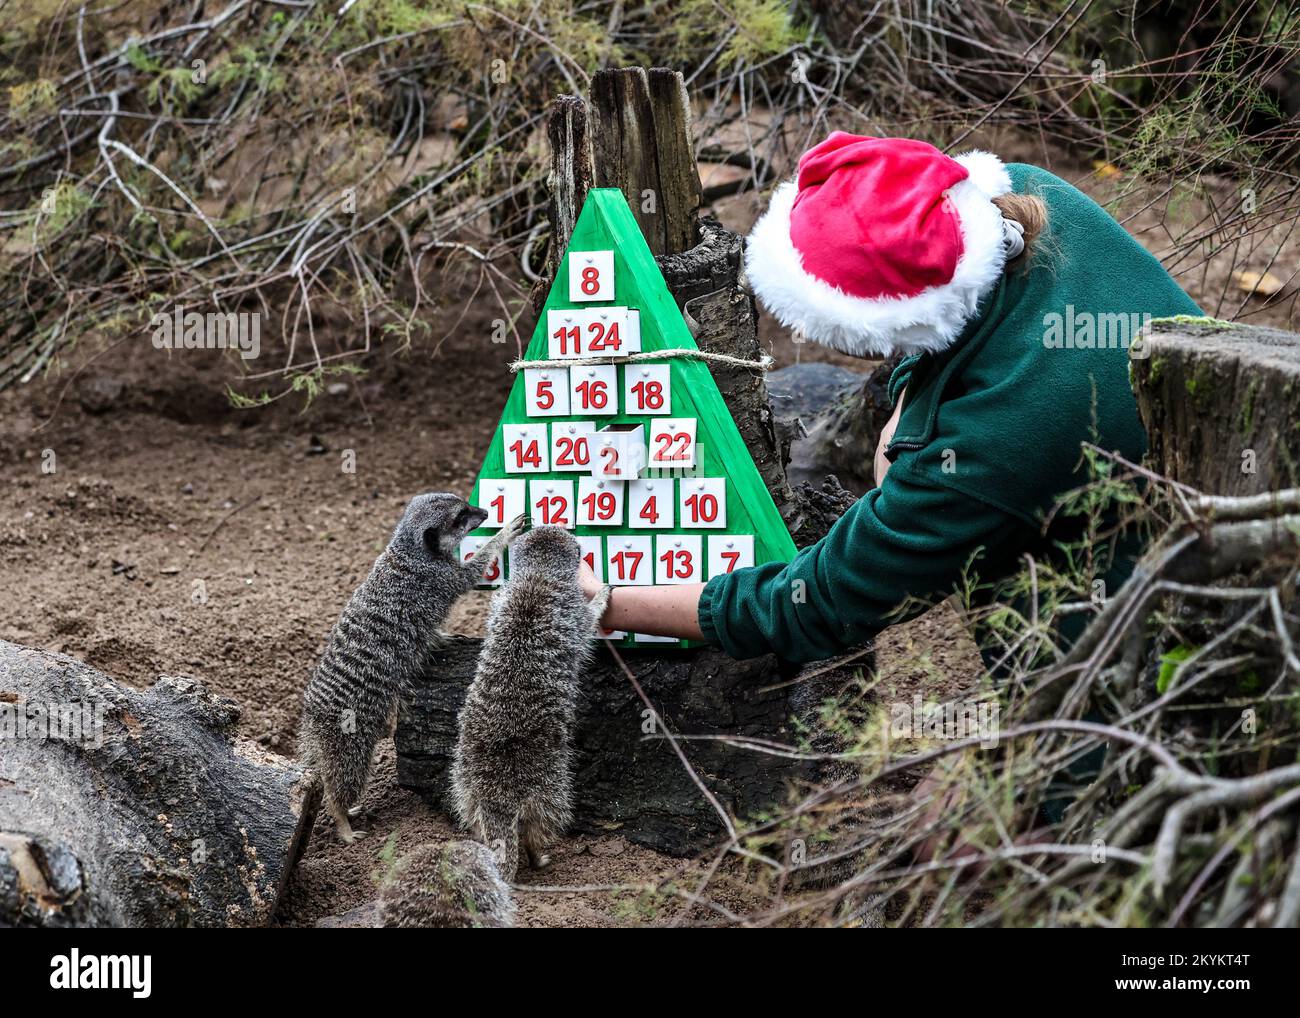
432 537
441 539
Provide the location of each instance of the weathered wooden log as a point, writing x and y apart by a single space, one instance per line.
842 413
641 142
1220 405
627 778
567 183
121 807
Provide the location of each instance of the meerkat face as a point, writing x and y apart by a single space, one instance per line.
434 524
550 550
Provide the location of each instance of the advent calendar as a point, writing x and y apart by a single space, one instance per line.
620 439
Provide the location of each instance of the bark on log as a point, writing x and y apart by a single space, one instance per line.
641 140
568 181
625 782
842 413
1220 406
139 808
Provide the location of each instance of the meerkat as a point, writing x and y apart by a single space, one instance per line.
511 777
453 886
382 641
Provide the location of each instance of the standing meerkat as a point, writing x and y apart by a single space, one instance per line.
511 776
382 641
451 886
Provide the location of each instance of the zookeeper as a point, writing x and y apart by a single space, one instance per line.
993 281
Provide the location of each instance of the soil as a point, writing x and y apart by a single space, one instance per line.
149 528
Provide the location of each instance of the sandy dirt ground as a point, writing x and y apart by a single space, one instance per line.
178 535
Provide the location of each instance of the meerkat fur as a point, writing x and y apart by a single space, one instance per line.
382 641
511 775
455 885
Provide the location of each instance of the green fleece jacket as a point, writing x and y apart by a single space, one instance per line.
988 440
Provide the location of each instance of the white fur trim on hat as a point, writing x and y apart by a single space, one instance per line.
884 326
986 172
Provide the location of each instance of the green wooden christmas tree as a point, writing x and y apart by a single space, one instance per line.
637 453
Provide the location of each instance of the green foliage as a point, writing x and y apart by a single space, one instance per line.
386 860
33 100
758 28
308 384
59 207
1169 662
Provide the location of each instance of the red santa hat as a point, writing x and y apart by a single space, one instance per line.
881 245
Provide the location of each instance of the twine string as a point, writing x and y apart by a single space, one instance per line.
764 363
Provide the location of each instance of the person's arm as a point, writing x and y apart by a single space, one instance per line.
900 547
907 539
674 610
657 611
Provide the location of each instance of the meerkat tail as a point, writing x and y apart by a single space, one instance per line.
498 827
600 603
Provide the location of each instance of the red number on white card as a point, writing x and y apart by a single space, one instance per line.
552 509
594 395
731 557
649 395
600 506
602 338
627 563
704 508
493 571
590 559
591 280
609 454
529 455
566 336
545 397
572 452
677 564
499 504
650 511
666 454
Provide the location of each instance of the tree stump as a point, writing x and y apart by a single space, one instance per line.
627 778
127 808
569 180
641 142
1220 406
842 414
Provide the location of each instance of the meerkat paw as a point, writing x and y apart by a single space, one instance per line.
479 561
539 860
351 834
515 527
346 832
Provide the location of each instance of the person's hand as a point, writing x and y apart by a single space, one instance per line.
587 581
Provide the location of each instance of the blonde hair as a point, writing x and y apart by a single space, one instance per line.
1027 210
